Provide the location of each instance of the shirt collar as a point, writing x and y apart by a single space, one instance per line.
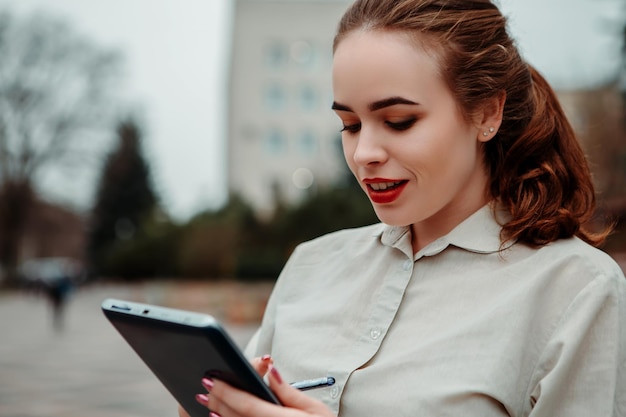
479 233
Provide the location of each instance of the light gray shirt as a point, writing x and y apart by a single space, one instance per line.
462 328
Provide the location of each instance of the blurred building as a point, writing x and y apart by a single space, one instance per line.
52 235
598 117
283 138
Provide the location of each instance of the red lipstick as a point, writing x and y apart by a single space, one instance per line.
384 190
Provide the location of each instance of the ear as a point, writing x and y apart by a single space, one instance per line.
488 121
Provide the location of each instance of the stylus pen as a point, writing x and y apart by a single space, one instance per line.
308 384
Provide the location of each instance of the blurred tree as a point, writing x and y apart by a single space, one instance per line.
125 203
267 246
54 89
326 211
212 241
151 253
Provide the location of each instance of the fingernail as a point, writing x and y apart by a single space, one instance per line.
266 358
207 383
212 414
202 399
276 375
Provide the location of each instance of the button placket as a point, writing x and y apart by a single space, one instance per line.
408 264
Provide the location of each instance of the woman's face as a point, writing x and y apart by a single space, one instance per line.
404 138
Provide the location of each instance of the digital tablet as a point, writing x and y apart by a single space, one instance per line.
181 347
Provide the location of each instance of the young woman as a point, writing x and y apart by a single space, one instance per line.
480 293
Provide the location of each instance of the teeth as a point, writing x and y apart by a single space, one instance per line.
381 186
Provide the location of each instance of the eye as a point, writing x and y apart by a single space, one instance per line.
403 125
353 128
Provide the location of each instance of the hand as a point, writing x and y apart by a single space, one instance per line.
226 401
261 365
182 412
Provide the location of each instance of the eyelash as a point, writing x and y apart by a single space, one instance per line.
351 128
403 125
399 126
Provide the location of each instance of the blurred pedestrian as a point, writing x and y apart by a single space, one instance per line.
58 292
55 279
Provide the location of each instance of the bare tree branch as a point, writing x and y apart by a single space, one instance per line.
56 88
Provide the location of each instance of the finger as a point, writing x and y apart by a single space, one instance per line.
182 412
222 409
202 399
228 401
262 364
292 397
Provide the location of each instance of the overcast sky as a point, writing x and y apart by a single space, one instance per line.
176 56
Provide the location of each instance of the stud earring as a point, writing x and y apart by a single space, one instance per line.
491 129
485 134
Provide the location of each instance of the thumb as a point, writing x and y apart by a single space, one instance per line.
293 397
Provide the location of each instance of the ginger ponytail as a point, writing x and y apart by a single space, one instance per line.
543 178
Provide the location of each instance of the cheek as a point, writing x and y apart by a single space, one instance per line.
440 156
461 165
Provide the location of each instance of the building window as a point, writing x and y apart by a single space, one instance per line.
275 142
307 98
276 55
274 97
306 143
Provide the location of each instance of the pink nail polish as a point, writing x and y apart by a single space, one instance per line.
266 358
212 414
276 375
207 383
202 399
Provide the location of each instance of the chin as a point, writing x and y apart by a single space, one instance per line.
392 219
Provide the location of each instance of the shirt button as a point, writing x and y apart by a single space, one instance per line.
334 392
375 334
407 265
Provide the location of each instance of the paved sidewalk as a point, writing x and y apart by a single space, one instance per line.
86 369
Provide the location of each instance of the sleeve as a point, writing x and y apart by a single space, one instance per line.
582 370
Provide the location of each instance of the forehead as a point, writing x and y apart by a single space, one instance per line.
374 63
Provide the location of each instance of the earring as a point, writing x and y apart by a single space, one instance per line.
485 134
491 129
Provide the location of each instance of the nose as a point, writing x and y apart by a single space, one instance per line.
369 149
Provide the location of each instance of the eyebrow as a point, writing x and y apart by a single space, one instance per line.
377 105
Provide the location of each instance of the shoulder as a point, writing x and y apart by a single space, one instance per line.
321 263
357 233
575 252
344 240
570 264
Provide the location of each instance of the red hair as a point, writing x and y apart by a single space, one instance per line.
538 171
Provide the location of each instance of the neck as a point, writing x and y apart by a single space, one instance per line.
427 231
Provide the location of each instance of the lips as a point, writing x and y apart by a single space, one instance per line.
384 191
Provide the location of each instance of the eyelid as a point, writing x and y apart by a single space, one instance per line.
352 128
403 124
